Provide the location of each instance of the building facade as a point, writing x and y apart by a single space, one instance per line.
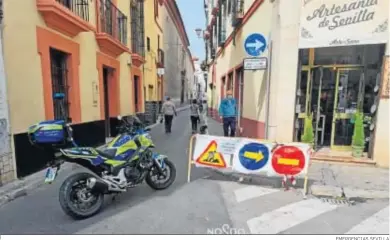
154 58
325 59
179 66
7 164
87 50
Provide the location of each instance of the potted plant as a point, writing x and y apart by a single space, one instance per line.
308 133
358 135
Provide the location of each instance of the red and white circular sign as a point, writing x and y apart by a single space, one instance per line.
288 160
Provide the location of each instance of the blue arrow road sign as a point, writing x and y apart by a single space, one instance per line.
255 44
253 156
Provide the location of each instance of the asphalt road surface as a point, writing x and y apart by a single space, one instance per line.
209 204
180 209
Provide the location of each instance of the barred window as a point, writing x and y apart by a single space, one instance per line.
137 27
59 77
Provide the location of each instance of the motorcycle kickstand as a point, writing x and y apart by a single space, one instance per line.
115 196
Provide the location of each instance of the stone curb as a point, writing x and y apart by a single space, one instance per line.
333 191
313 188
19 188
273 182
24 187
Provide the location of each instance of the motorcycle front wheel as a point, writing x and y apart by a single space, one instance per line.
160 181
75 198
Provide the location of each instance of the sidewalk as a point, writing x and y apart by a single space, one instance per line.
327 179
25 186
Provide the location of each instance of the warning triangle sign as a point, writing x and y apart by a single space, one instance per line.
210 157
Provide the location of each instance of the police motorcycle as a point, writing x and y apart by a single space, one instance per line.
123 163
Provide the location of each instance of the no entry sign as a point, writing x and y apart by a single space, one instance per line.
288 160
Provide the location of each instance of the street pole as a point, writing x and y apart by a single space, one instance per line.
240 89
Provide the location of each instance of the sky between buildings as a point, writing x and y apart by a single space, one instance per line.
193 16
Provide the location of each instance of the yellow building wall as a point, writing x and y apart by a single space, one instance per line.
254 81
25 89
126 81
152 32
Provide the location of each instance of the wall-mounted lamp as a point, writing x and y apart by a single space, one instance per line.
199 32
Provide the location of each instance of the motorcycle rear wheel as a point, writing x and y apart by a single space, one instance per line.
74 189
170 169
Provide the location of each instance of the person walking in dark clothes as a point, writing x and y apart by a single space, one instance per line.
194 111
228 113
168 110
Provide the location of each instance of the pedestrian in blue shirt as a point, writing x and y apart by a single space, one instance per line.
228 113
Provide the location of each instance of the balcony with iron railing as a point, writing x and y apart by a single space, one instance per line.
69 17
137 32
112 31
238 12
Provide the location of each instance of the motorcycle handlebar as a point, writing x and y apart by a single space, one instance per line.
129 125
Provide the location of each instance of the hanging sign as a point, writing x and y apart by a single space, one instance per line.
160 71
342 23
255 63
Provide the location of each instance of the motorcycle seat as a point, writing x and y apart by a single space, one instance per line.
107 153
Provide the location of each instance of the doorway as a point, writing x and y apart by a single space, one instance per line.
223 83
321 99
159 92
183 75
238 93
136 93
106 78
333 83
59 77
333 101
349 88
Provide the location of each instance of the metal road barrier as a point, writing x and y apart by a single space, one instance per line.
290 161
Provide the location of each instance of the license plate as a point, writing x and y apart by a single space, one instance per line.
51 174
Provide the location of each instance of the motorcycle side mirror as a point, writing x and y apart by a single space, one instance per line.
119 117
148 129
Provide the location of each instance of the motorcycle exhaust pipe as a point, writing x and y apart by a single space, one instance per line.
96 185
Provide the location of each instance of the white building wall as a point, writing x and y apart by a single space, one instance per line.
382 135
285 48
7 163
284 38
189 77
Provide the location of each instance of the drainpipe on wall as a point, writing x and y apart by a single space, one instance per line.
268 83
274 53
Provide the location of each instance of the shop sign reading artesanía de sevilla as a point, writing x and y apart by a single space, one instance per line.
329 23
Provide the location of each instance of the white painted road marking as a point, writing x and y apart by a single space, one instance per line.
288 216
376 224
251 192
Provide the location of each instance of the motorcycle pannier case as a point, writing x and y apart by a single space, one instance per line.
47 132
